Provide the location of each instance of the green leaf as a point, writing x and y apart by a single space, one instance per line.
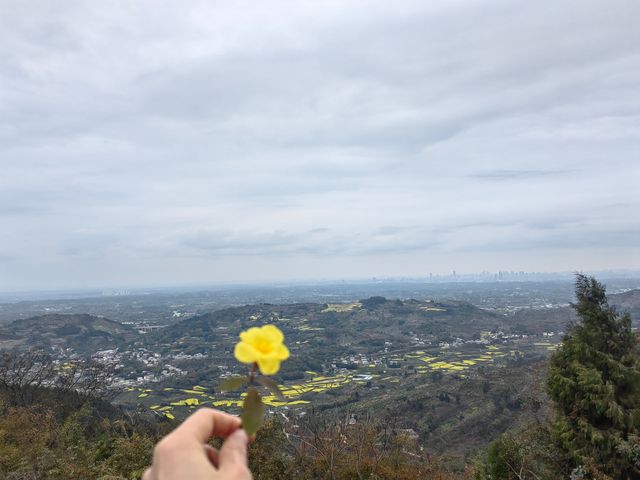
252 412
271 385
232 383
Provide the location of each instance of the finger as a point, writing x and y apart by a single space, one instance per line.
148 474
234 450
212 454
206 423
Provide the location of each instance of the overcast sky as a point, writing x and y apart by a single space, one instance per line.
159 143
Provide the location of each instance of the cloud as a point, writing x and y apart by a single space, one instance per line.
517 174
343 137
317 242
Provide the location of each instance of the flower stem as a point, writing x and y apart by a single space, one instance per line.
252 374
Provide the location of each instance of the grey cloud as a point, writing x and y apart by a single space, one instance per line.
574 239
314 242
7 210
356 133
517 174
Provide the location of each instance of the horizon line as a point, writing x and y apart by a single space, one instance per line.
453 277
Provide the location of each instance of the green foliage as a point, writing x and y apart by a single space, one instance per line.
27 436
35 443
268 456
330 447
271 385
594 381
130 457
504 460
252 412
232 383
526 453
373 302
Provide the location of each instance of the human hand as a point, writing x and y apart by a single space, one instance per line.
185 454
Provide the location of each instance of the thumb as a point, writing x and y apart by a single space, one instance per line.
234 450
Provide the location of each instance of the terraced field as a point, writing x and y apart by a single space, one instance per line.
389 369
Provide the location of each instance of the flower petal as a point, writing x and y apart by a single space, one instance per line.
282 352
272 334
245 353
269 365
250 335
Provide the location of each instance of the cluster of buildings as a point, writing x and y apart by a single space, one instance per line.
153 370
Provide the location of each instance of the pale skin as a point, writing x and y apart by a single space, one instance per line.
185 454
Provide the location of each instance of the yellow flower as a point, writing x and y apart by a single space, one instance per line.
262 346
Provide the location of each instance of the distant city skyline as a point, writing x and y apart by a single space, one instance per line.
208 142
429 278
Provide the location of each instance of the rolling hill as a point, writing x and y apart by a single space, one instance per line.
83 333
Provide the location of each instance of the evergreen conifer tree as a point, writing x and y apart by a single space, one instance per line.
594 381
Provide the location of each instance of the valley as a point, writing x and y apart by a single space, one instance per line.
452 374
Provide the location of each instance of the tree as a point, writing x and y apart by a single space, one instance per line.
23 374
594 382
30 377
525 453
